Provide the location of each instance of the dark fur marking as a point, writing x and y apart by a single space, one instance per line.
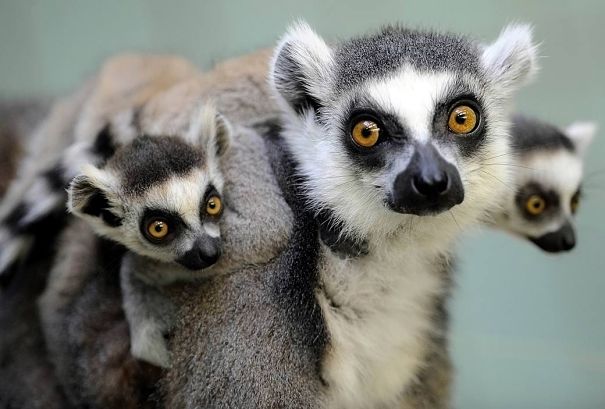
152 160
551 198
531 134
98 205
330 232
55 179
13 220
104 146
295 286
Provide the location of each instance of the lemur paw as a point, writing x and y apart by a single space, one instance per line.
148 344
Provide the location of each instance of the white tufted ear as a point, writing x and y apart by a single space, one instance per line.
91 194
510 61
301 69
581 134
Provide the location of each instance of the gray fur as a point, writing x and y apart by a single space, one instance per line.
532 134
377 55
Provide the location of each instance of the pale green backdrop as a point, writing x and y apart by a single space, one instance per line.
528 329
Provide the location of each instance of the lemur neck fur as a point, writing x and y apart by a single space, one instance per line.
378 309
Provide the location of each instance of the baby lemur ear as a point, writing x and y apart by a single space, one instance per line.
581 134
89 194
511 60
211 130
302 68
223 134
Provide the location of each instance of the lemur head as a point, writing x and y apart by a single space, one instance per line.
160 196
400 124
547 182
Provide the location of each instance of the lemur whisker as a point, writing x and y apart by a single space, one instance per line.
498 179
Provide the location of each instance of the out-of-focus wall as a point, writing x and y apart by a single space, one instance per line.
528 328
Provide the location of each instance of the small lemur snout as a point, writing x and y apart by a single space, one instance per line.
204 253
563 239
429 184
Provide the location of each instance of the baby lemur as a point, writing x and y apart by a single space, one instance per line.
160 197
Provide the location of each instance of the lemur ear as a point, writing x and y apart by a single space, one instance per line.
89 194
581 134
511 60
223 134
211 130
301 69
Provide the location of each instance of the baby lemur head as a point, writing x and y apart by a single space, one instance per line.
159 195
547 182
400 124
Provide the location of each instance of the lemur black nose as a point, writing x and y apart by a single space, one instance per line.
432 184
563 239
429 184
204 253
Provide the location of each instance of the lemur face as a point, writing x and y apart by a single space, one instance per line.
159 196
548 182
402 122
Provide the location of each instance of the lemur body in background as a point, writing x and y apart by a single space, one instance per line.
160 197
76 132
547 178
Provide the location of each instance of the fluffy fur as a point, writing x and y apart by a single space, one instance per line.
306 328
373 356
254 227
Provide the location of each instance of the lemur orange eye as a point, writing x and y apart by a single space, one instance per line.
214 206
575 203
535 205
158 229
365 133
463 120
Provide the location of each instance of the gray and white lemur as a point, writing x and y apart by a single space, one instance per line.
547 182
160 197
77 132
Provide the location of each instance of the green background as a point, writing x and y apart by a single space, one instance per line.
528 328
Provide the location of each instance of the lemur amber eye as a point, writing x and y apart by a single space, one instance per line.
157 229
575 203
535 205
365 133
463 120
214 206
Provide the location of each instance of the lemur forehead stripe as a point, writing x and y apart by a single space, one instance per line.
150 160
382 53
534 135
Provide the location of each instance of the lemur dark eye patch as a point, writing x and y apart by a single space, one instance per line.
536 202
160 226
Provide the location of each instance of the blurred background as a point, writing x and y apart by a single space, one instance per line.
528 328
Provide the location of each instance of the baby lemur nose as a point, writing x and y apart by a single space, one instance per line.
429 184
204 253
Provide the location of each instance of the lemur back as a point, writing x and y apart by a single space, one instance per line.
547 178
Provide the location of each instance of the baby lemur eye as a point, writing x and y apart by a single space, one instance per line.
365 133
157 229
535 205
463 119
214 206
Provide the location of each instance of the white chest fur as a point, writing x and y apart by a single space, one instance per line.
378 313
